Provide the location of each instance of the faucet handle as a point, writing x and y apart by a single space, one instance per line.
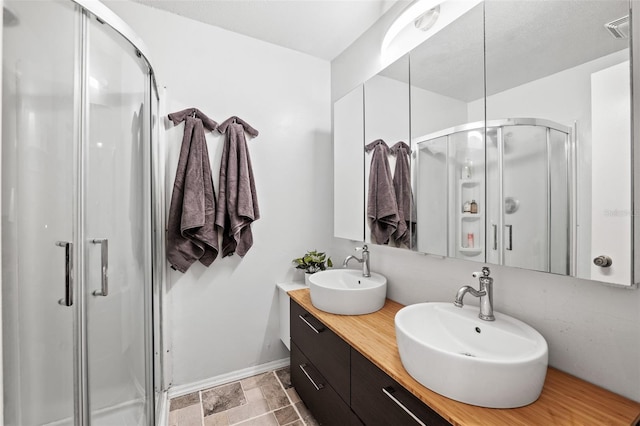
363 248
485 273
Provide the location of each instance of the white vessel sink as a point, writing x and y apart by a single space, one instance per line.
497 364
347 292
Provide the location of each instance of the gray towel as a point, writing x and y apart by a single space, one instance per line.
404 195
237 200
382 208
191 233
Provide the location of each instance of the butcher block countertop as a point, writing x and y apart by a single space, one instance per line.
565 399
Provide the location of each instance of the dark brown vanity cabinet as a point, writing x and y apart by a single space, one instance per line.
341 387
320 364
381 401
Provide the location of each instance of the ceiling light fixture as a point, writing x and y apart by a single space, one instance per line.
429 16
428 19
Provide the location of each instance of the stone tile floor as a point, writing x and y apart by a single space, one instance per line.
267 399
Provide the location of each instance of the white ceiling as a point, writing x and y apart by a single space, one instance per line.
321 28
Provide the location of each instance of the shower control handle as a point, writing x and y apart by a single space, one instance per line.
68 273
603 261
104 254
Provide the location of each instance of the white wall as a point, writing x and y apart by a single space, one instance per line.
224 318
593 330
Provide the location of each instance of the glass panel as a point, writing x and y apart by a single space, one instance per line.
467 199
559 209
447 92
37 210
386 117
432 197
116 210
569 62
494 210
525 197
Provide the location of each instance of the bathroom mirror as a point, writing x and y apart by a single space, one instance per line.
447 79
550 169
519 117
387 185
565 65
348 165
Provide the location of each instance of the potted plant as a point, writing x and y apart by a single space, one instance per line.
313 261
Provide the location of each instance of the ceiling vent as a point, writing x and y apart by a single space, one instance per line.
619 28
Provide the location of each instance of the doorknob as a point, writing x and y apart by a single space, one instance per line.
603 261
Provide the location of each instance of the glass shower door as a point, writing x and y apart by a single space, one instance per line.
525 190
38 187
116 230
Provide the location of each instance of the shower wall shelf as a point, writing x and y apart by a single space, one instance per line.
469 223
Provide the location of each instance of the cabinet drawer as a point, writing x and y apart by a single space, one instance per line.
318 395
379 400
328 352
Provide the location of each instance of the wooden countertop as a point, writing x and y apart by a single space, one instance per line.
565 399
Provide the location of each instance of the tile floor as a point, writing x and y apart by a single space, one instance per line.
267 399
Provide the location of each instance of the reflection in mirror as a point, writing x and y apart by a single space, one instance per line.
388 192
447 78
557 64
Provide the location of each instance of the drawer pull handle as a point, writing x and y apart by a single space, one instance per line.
317 386
388 391
310 325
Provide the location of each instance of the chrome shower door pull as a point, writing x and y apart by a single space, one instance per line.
104 252
495 236
509 237
68 273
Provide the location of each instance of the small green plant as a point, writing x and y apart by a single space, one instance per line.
313 261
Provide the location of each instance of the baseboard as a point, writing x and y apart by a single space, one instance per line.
234 376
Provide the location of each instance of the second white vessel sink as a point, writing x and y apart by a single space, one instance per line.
347 292
496 364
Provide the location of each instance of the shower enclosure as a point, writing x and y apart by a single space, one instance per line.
79 105
504 191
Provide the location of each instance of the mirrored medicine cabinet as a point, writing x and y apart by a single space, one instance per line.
518 118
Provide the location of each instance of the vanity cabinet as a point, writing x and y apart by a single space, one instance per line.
318 395
323 348
380 400
340 386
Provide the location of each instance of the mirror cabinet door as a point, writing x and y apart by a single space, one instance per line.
558 93
348 165
447 130
388 193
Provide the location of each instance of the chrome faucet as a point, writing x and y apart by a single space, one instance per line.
485 293
366 272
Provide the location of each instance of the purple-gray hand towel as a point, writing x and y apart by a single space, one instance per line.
382 208
404 195
237 199
191 231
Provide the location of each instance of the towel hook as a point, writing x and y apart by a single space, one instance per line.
193 113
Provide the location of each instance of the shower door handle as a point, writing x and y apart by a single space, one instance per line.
495 236
68 273
509 237
104 254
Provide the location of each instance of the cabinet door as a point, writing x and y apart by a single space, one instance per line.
348 165
379 400
321 399
323 347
